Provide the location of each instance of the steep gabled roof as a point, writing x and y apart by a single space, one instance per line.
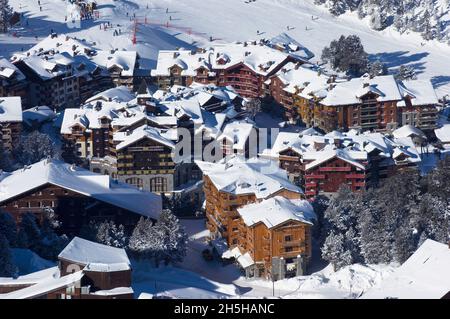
94 255
239 176
277 210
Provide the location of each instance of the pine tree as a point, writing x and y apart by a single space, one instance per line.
34 147
144 242
174 238
108 233
30 229
377 68
5 159
50 244
5 15
8 228
340 225
7 267
347 55
89 231
22 240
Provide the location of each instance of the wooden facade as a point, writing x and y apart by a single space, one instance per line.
9 134
73 209
329 176
245 81
287 240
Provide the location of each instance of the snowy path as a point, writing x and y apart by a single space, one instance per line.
347 283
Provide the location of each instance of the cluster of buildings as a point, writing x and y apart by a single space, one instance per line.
136 146
62 71
243 65
379 103
85 270
321 164
134 138
303 90
258 217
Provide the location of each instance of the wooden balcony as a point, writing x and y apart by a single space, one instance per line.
355 176
335 169
314 176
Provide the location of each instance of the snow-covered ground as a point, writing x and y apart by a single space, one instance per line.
197 278
193 22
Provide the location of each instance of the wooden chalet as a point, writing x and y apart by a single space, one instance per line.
77 196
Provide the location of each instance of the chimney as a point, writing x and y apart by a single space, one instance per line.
297 65
98 106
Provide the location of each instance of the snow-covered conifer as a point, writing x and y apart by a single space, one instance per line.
7 267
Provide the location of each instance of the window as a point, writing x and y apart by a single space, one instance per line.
135 181
235 241
288 249
158 184
235 229
288 238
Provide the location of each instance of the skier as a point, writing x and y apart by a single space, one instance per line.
170 18
167 10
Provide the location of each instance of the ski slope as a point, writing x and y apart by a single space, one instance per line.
190 23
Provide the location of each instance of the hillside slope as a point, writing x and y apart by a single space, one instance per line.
193 22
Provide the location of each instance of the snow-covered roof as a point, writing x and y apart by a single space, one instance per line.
354 147
237 133
425 275
44 287
39 114
95 256
255 176
115 291
9 71
408 131
291 46
443 133
124 60
82 181
276 211
304 80
405 146
118 94
421 92
144 132
259 58
30 279
352 157
245 260
350 92
10 109
54 44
